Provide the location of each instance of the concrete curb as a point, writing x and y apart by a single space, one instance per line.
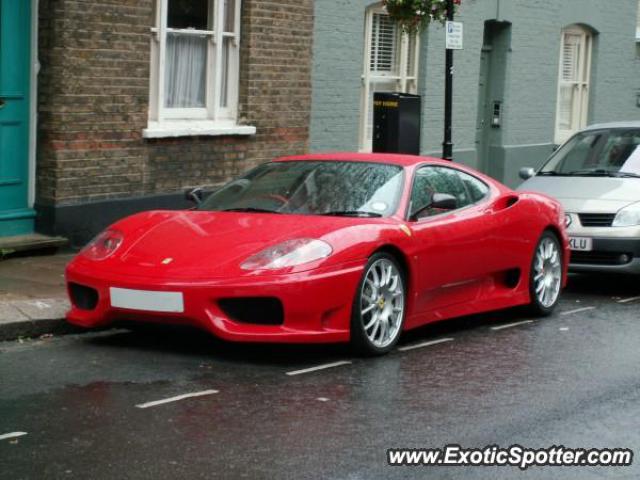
32 318
35 328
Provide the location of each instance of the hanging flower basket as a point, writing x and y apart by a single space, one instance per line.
413 15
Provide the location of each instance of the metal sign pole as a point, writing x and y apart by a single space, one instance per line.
447 145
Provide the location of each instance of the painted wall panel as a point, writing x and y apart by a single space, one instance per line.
530 91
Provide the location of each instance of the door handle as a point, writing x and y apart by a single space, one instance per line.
2 103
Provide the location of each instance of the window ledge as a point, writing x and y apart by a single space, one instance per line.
191 128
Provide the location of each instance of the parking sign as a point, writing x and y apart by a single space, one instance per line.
454 35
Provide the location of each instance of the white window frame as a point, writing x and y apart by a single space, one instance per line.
638 24
406 82
580 86
213 119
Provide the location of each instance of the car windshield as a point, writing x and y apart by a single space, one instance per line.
608 152
337 188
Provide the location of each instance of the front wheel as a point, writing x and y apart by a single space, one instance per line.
379 306
545 279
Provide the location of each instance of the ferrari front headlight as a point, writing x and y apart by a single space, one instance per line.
628 216
288 254
104 245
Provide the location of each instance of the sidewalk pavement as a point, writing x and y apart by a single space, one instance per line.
33 298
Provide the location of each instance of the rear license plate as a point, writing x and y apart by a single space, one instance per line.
581 244
146 300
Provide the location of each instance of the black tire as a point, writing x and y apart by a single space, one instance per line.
360 341
537 306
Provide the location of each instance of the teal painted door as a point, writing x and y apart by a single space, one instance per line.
15 73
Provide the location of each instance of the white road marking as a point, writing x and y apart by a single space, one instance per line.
319 367
424 344
577 310
627 300
7 436
510 325
564 329
322 399
177 398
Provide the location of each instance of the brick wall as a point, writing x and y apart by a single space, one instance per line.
94 99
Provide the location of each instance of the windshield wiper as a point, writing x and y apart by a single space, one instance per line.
625 175
249 209
598 172
551 173
352 213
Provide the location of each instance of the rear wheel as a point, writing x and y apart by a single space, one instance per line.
545 279
379 306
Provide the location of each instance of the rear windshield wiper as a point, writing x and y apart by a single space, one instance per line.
250 210
352 213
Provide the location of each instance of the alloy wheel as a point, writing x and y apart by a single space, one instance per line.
382 303
547 272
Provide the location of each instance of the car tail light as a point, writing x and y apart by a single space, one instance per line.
104 245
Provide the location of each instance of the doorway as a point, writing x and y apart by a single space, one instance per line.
494 59
16 216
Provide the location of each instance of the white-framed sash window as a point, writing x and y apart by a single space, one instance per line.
390 65
573 82
638 24
195 62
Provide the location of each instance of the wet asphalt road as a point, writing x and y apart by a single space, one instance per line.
570 379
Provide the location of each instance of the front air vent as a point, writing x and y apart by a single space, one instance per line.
596 219
83 297
256 310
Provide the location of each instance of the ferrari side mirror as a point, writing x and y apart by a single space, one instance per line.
444 201
440 201
526 173
194 195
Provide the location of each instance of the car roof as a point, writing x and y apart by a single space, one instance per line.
388 158
600 126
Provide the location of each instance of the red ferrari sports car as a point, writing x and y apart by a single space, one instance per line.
328 248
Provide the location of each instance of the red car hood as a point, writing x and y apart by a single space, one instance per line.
201 244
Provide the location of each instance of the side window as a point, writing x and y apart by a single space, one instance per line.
430 180
447 181
477 189
422 192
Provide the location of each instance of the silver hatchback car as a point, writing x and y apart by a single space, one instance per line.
596 177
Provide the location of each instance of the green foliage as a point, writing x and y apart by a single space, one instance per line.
414 15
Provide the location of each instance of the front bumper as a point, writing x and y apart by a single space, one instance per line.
609 254
316 304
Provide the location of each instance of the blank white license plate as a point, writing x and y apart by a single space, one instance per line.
581 244
149 301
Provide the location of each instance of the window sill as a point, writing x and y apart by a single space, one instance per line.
192 128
